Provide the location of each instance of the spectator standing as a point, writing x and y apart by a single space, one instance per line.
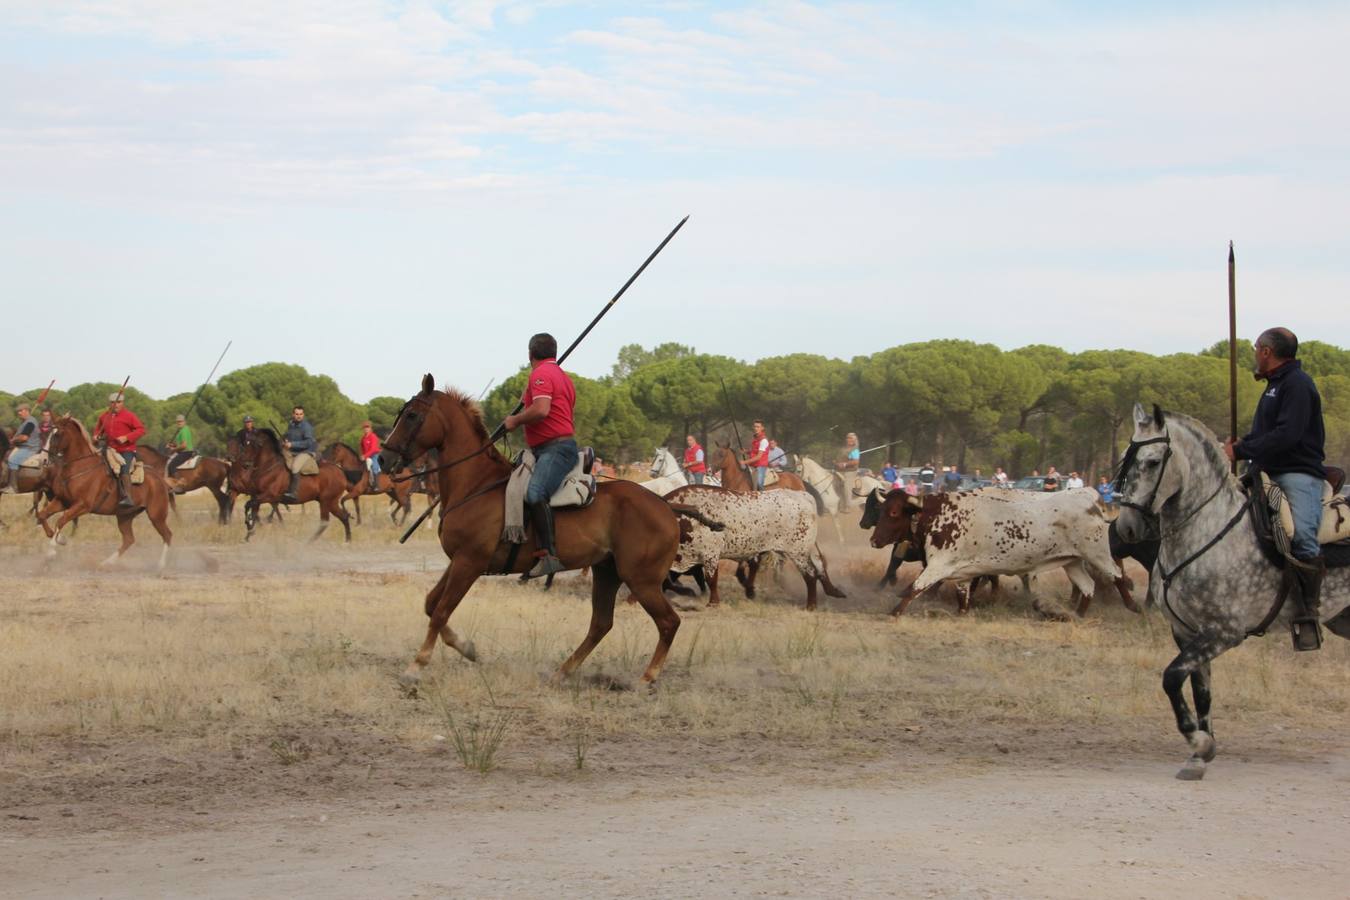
1074 481
1000 476
888 473
927 478
1052 480
951 479
1105 492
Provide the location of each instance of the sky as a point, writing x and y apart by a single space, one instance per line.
375 190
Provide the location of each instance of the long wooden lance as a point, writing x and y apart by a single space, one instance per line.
197 396
1232 348
122 390
731 414
880 447
501 429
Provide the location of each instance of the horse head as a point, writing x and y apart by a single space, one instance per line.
68 436
1150 474
661 462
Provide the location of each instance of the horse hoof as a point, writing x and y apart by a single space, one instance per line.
469 651
410 678
1194 770
61 539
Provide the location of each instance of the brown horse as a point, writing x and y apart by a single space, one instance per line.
209 473
259 470
736 477
26 481
81 482
358 480
627 535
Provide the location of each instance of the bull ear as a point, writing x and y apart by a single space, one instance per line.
1157 415
1141 416
428 383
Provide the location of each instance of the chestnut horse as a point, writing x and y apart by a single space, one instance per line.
27 481
358 481
80 482
259 470
628 535
209 473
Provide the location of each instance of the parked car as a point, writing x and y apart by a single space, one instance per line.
1034 483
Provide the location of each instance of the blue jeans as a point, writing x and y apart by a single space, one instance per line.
128 457
760 472
20 454
1304 495
697 476
552 462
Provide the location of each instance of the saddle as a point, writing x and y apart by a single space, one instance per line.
191 463
36 461
114 460
1273 521
577 491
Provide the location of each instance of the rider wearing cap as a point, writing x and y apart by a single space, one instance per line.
1287 442
547 417
122 429
182 446
26 442
300 446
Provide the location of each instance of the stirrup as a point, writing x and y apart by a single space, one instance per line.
546 565
1306 633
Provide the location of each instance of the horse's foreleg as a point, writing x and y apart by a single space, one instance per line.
1193 662
440 603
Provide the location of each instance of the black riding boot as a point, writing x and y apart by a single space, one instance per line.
124 490
292 494
1306 627
542 516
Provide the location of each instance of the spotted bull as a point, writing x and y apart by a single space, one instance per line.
782 522
963 536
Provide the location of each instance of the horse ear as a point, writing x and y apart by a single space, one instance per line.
428 383
1141 416
1157 415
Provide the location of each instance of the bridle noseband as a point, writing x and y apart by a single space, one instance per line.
1131 452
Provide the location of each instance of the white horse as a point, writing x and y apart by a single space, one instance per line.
833 488
667 475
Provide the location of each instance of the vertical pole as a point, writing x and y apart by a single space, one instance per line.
1232 348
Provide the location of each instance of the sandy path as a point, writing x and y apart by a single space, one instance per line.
1250 830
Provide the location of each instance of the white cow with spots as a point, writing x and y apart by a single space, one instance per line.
998 532
782 522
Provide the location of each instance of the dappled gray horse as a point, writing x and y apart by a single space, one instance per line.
1211 579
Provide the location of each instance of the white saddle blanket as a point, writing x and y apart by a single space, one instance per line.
577 490
115 462
1335 515
190 464
36 461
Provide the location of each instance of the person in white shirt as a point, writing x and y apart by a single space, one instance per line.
1074 481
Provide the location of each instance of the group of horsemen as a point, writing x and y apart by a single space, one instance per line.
1286 442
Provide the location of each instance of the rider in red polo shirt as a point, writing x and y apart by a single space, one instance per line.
547 416
122 429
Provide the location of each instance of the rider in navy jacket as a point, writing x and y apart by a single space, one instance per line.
1287 432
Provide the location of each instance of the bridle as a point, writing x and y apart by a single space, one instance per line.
1128 461
409 442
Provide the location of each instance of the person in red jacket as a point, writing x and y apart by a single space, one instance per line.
121 428
694 463
370 452
757 457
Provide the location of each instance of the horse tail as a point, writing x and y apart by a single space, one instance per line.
682 509
815 495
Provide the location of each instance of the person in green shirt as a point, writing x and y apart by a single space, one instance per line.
181 446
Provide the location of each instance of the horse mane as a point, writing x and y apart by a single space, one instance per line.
1208 441
272 438
345 446
474 414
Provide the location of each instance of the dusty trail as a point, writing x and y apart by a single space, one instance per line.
1252 830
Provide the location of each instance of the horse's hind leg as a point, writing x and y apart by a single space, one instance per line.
346 521
128 538
161 526
1193 662
604 588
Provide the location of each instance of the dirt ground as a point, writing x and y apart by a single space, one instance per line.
235 729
